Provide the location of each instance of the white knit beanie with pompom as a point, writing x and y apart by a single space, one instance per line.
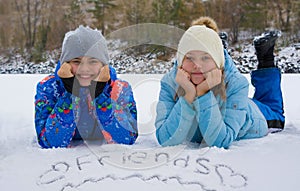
199 37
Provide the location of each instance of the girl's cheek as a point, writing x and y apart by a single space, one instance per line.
209 67
74 69
187 67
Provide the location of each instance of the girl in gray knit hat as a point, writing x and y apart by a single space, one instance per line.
84 99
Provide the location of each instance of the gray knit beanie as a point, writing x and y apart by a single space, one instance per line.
84 41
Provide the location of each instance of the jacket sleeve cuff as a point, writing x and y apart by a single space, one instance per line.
205 101
187 108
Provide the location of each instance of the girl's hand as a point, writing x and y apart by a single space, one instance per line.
65 71
212 79
183 79
104 75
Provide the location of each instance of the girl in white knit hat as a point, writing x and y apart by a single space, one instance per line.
84 99
204 98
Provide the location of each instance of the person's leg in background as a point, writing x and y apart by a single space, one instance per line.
267 81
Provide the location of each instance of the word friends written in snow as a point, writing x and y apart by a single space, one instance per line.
200 171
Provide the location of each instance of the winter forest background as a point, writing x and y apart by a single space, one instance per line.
31 31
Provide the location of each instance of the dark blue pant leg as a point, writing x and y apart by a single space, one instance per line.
268 95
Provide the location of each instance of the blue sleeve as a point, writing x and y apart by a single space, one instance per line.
221 129
117 113
173 118
54 121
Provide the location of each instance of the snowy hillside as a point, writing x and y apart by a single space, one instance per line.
287 59
269 163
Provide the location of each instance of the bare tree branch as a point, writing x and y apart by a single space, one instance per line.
21 18
28 44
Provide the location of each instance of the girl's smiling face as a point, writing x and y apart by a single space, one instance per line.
197 63
86 69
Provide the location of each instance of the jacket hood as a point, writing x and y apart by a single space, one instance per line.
229 67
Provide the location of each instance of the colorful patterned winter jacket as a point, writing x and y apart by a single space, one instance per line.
57 112
209 118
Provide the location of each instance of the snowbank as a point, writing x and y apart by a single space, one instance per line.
269 163
287 59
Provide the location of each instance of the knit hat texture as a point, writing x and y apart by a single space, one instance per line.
199 37
84 41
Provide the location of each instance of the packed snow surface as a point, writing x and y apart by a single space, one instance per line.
269 163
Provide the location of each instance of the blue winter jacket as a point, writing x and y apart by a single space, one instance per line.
58 112
209 118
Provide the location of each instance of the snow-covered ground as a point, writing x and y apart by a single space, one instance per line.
269 163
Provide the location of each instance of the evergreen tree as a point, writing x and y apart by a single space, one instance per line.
296 16
161 11
74 16
136 11
178 14
195 9
99 12
256 15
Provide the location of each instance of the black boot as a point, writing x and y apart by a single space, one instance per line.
264 47
224 37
